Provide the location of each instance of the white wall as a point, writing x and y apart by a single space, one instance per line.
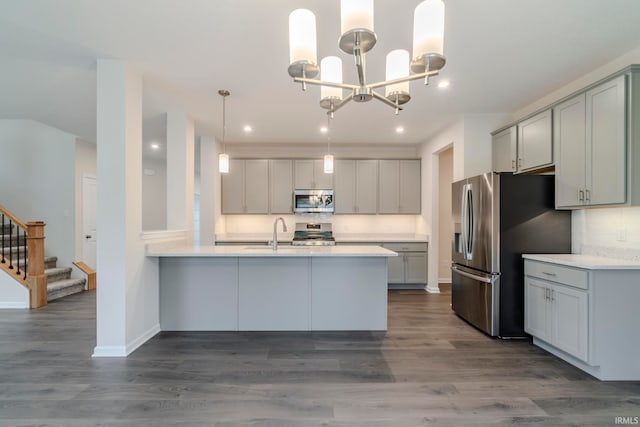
37 171
12 293
445 230
154 194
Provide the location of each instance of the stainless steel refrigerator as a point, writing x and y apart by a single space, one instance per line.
497 218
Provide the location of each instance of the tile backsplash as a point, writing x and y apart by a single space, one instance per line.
612 232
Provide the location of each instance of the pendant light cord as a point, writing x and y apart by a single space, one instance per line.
224 123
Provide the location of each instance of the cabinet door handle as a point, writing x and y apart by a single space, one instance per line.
520 162
581 195
553 295
587 195
513 164
546 293
549 274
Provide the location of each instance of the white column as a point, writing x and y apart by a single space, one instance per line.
119 212
180 171
208 190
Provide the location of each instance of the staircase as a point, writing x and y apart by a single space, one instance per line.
59 281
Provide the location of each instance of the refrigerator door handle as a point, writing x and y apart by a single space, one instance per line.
472 276
463 220
471 223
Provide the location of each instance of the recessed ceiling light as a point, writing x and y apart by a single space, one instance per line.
443 84
247 128
399 129
323 129
155 146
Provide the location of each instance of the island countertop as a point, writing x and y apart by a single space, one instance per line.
262 251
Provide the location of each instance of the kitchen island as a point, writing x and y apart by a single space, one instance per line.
254 288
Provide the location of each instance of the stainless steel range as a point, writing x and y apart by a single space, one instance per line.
313 234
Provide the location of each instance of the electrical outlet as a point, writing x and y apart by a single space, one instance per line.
621 234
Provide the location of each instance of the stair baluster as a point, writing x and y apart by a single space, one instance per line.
26 255
10 244
3 262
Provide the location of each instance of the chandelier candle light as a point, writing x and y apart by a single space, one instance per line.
223 158
357 39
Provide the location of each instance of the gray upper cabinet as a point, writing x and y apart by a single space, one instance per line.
355 186
245 188
399 186
504 150
280 186
309 175
591 149
535 147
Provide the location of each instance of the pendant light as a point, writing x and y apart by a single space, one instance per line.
223 158
328 158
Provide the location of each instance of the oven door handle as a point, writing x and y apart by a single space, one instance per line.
472 276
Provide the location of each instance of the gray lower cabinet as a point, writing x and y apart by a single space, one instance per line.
280 186
356 186
245 189
585 316
399 185
410 266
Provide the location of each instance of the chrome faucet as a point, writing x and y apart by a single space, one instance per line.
275 231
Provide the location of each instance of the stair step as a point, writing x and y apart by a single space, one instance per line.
57 274
14 249
62 288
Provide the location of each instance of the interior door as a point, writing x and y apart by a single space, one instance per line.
89 202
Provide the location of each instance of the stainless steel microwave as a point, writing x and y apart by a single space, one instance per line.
309 201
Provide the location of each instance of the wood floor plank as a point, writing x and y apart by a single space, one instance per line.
430 368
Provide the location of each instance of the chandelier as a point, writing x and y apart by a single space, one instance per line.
357 39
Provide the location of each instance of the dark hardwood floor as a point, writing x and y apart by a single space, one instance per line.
430 368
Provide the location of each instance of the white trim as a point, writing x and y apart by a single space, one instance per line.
163 234
433 290
12 304
124 351
133 345
109 351
444 280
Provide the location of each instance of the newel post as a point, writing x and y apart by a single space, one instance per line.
36 278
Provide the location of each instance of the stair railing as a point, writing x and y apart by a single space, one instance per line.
22 255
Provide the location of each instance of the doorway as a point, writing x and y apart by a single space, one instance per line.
89 235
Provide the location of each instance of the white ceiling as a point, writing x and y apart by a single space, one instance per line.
501 56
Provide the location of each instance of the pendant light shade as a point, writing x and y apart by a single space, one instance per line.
223 163
397 67
428 28
328 163
302 37
223 158
356 14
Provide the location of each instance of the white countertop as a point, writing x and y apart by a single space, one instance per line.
585 261
267 251
340 237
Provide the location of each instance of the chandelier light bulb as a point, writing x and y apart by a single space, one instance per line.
428 28
397 67
302 37
331 71
356 14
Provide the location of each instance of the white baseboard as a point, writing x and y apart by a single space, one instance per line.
13 304
133 345
444 280
433 289
122 350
